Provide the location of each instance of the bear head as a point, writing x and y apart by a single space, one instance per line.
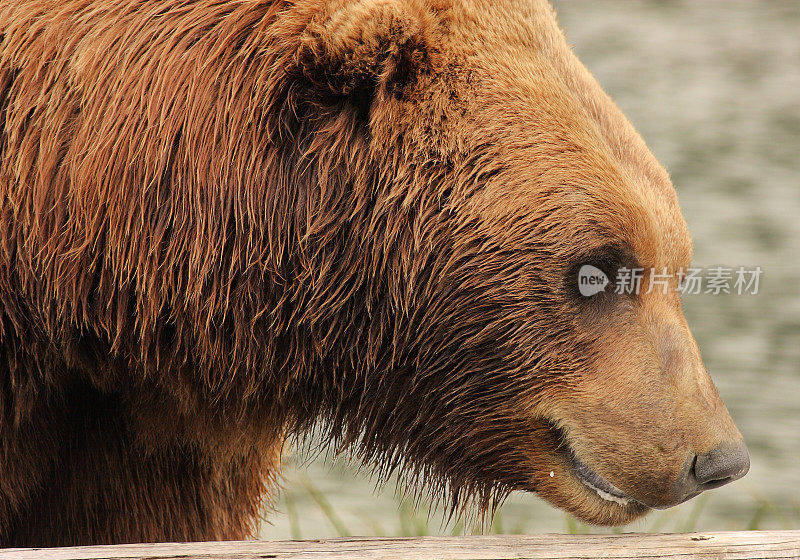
458 171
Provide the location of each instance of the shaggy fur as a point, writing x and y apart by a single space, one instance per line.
225 222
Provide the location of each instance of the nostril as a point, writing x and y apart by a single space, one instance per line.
721 465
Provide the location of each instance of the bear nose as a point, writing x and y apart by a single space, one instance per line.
721 465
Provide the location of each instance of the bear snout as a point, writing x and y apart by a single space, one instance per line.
705 471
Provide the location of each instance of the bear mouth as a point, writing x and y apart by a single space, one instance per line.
589 477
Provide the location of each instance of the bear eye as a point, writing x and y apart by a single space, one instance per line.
597 274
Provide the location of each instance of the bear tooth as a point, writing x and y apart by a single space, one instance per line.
605 495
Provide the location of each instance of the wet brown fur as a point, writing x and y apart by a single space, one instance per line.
224 222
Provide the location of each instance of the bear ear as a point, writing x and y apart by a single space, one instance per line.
355 49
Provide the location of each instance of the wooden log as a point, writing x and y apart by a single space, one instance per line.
739 545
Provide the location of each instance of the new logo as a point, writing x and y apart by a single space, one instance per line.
591 280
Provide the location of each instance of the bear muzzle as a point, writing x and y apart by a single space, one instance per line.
705 471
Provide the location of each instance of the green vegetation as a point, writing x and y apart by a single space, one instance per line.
417 521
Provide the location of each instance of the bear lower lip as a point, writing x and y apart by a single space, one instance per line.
586 475
602 487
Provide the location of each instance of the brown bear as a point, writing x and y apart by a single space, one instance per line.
226 222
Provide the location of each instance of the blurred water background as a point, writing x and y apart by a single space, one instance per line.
714 88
